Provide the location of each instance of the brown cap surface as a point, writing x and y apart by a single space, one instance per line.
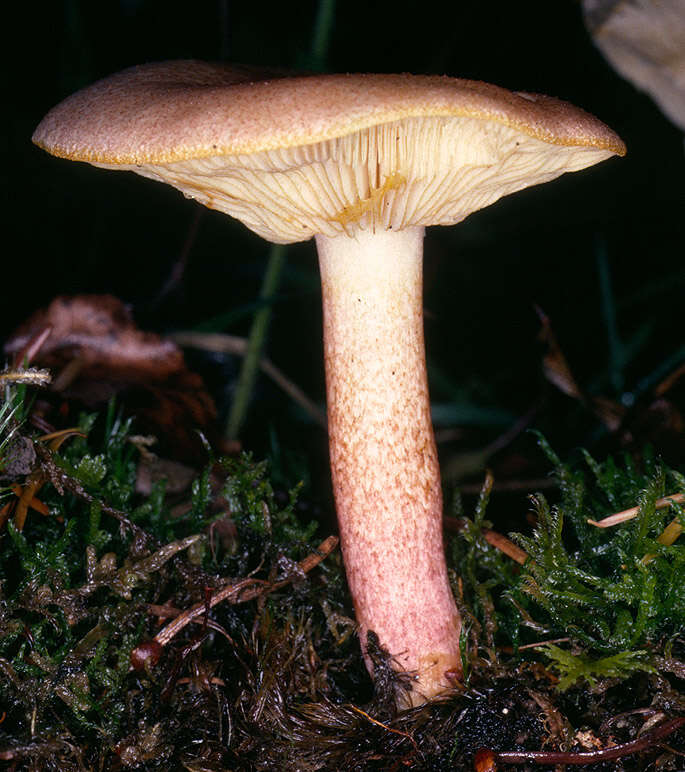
296 156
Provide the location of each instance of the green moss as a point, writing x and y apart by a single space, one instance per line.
573 668
616 594
275 681
75 586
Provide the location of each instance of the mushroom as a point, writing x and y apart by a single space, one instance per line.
362 163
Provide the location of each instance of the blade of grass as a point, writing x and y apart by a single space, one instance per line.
255 342
248 373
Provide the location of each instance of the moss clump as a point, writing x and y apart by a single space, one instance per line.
615 595
98 567
270 675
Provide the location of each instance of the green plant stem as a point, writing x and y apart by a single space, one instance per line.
255 342
322 33
248 373
616 352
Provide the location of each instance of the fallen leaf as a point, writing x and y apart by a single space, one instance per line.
97 352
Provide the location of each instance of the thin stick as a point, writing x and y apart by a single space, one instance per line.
505 545
493 538
256 339
233 344
322 32
31 347
31 377
61 480
385 726
486 760
543 643
629 514
242 591
325 20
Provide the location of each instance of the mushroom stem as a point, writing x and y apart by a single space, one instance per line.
384 464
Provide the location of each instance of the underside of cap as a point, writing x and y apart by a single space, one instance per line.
292 157
417 171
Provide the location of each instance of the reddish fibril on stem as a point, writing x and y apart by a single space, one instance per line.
486 760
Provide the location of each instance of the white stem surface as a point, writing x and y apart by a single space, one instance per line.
384 462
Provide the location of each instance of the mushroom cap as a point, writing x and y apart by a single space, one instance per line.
293 156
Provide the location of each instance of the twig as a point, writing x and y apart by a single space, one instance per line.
650 712
28 352
542 643
385 726
453 468
486 760
512 486
242 591
629 514
61 480
233 344
31 377
505 545
494 538
124 579
180 264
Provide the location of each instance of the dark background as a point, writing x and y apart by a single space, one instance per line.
72 228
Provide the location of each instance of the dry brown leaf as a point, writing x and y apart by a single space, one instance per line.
97 352
99 332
